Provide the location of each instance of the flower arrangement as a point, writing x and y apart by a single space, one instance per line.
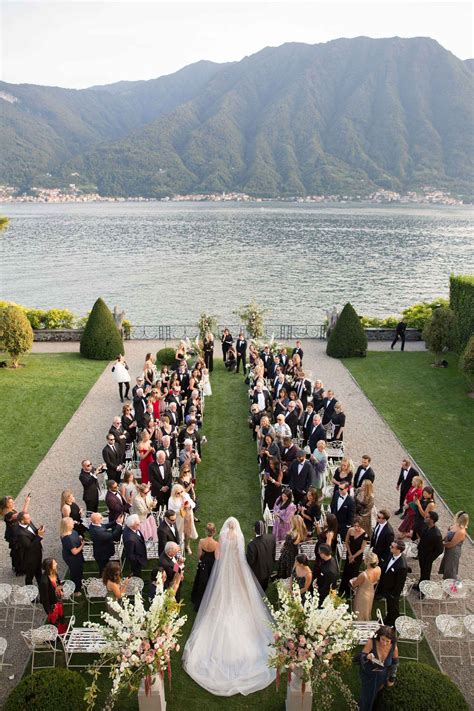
206 324
140 643
312 642
252 316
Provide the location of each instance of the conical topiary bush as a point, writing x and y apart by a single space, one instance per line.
101 339
347 339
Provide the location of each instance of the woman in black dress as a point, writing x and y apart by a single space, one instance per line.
423 507
289 551
208 347
70 508
208 551
272 477
338 421
72 545
50 594
310 510
10 514
302 575
356 541
344 473
327 535
129 422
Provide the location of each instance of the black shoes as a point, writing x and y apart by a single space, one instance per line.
397 513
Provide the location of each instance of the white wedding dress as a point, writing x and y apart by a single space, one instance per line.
227 650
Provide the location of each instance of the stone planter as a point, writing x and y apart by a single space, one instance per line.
296 700
155 701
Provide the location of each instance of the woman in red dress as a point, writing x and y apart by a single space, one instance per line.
416 489
50 592
147 454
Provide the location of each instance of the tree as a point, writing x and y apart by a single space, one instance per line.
4 221
466 362
101 339
347 339
441 332
16 334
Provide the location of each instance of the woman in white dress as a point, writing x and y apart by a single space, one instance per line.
122 376
206 385
227 650
183 505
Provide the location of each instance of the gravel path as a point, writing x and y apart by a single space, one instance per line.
84 435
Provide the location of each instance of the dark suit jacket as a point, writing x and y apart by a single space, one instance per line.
112 458
121 444
30 551
170 454
103 538
116 505
288 455
261 555
47 593
368 474
91 490
345 515
299 482
277 390
169 568
314 437
139 406
326 578
299 351
328 406
266 395
241 347
304 393
392 581
157 481
165 534
405 484
384 541
430 545
291 419
134 547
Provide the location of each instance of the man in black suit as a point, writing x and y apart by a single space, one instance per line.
400 332
317 432
262 398
29 548
139 383
298 478
289 452
284 358
90 484
430 546
139 406
115 502
261 554
343 507
329 403
170 452
302 388
307 422
112 457
266 356
382 536
364 471
241 348
392 581
183 377
280 383
291 418
405 478
326 577
161 478
298 350
171 562
120 435
167 531
174 413
134 546
103 537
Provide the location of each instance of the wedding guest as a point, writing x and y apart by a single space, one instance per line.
161 478
356 543
207 553
318 396
112 456
364 501
310 510
149 370
261 554
115 502
50 595
317 432
382 537
282 430
170 560
208 347
134 545
90 484
392 581
453 543
272 478
430 546
364 585
190 456
326 574
289 551
182 504
408 521
70 508
364 471
143 505
404 482
241 348
121 436
168 531
29 548
327 535
129 422
185 480
72 547
159 573
146 453
283 510
302 575
423 506
128 486
378 666
156 400
344 473
319 459
115 585
122 377
10 517
343 507
103 537
338 422
299 474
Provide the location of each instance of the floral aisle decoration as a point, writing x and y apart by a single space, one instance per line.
313 643
206 324
140 643
252 316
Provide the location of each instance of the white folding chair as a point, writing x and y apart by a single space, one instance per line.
451 630
432 593
42 639
469 625
456 593
3 649
134 587
68 588
95 592
22 600
5 593
410 631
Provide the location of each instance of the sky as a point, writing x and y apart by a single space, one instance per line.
79 43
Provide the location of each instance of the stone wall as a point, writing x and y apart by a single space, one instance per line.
388 334
59 335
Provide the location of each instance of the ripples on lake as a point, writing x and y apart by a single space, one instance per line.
165 263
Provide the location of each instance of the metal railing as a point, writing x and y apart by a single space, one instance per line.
175 332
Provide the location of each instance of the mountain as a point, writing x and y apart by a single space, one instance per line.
348 116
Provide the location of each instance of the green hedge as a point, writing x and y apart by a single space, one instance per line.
48 690
420 687
166 356
461 297
347 339
101 339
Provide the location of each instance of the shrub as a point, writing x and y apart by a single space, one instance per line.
420 687
417 315
441 333
126 328
59 318
101 339
461 300
347 339
36 317
166 356
49 690
16 334
466 362
373 322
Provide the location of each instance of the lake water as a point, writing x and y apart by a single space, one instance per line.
166 263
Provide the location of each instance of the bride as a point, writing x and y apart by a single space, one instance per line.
227 650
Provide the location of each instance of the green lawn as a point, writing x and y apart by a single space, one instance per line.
37 402
429 411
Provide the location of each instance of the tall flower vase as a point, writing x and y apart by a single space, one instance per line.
155 699
297 697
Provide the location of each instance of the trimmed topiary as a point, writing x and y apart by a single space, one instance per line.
166 356
101 339
347 339
466 362
16 334
49 690
420 687
441 332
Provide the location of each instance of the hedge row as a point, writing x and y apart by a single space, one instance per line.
461 296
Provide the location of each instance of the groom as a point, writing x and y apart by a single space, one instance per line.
261 554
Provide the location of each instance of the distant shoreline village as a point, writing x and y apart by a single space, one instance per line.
427 195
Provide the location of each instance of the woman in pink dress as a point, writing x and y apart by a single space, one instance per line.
283 510
146 454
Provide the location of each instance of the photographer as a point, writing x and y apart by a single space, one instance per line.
190 456
90 483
